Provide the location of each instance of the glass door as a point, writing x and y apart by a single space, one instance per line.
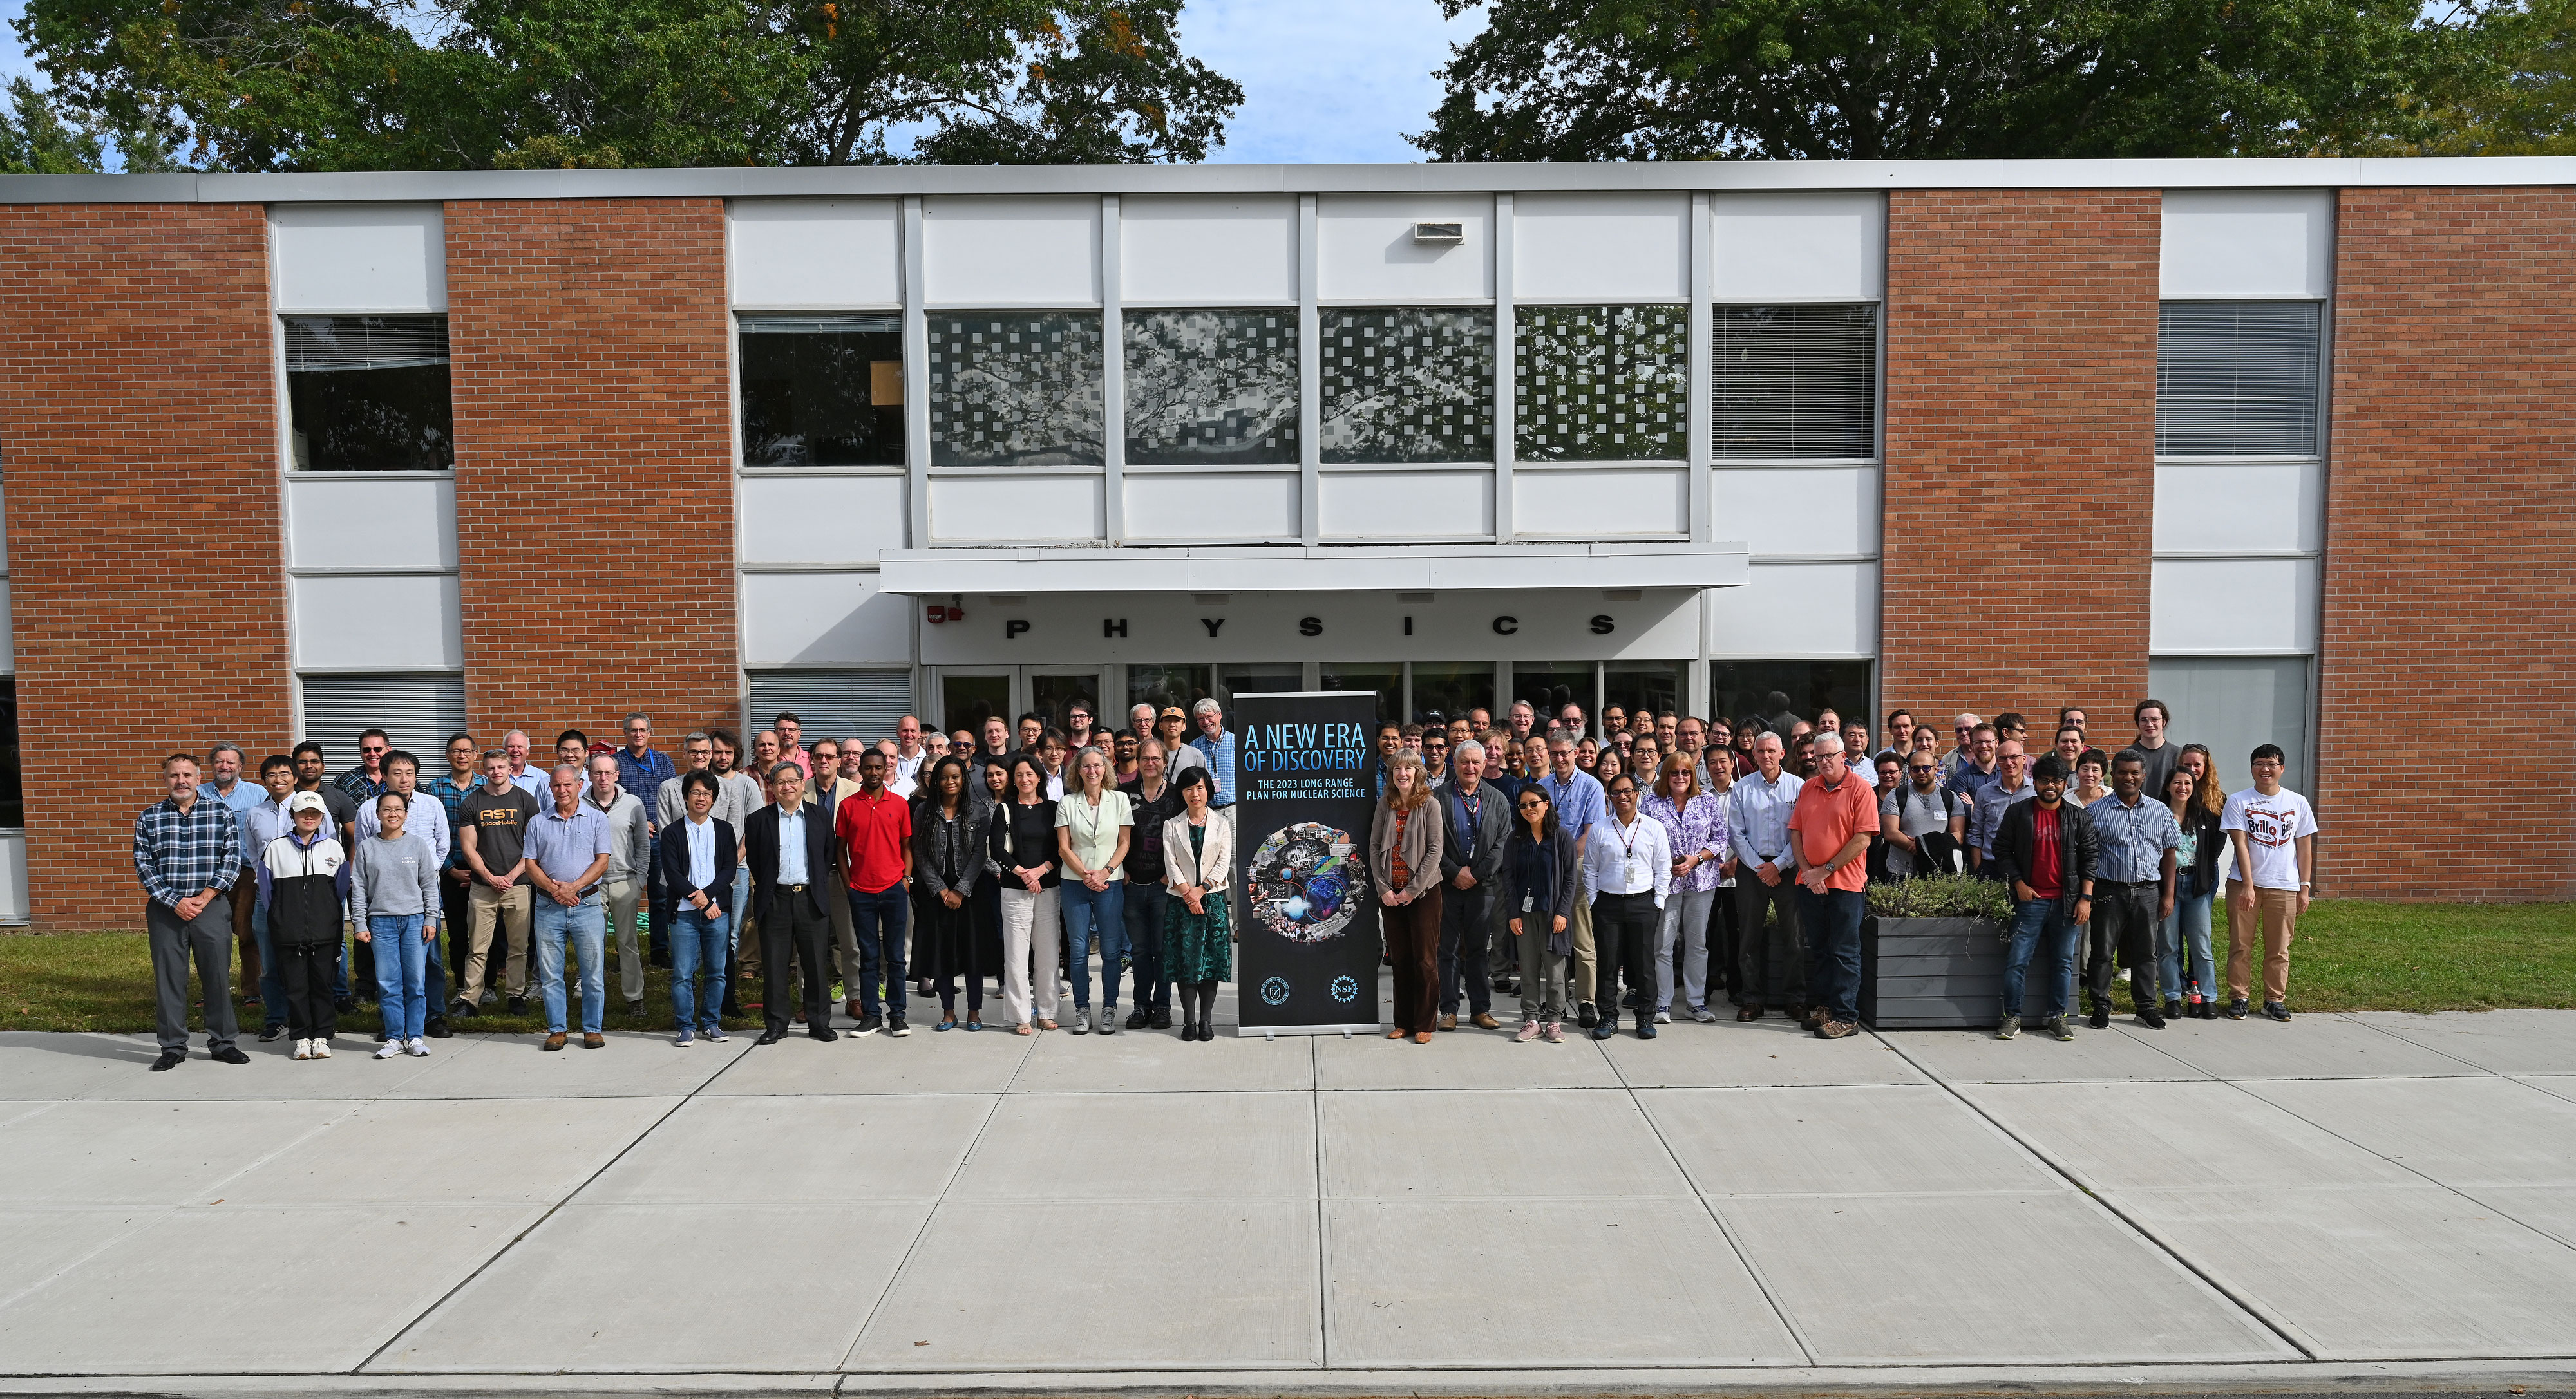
1386 680
1053 693
968 698
1167 687
1549 686
1444 690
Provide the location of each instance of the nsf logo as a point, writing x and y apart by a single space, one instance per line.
1345 989
1275 991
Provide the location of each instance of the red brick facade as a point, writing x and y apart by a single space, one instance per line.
594 463
2450 579
147 587
2021 388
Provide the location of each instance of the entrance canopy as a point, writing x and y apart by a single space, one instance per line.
1313 568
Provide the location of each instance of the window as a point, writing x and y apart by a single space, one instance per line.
1795 382
1407 385
1386 680
1550 686
369 393
833 704
966 701
2237 378
1164 686
2229 704
1449 689
1632 685
822 390
13 796
1241 678
1777 691
1211 387
1016 388
1599 383
417 713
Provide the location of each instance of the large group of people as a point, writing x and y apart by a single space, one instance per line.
1640 865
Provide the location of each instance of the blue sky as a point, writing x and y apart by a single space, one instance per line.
1323 80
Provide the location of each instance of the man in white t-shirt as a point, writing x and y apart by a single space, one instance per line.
2274 835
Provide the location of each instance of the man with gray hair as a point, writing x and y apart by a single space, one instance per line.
1217 746
1771 963
630 856
1471 861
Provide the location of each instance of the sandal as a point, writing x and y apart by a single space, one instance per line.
1046 1025
1022 1029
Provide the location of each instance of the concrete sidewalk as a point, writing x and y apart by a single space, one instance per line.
2373 1201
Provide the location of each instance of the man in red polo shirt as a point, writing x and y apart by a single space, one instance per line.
874 827
1830 827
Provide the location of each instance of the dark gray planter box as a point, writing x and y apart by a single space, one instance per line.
1930 973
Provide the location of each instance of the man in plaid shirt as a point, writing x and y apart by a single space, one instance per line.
187 853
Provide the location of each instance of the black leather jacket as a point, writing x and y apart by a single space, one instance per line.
2078 849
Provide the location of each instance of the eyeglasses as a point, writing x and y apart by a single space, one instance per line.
1533 806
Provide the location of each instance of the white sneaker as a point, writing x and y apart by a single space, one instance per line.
321 1049
418 1049
1082 1020
1663 1017
304 1049
389 1049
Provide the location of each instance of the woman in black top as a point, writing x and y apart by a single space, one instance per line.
2196 804
1022 845
1541 879
951 859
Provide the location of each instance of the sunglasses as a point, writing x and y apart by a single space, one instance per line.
1533 806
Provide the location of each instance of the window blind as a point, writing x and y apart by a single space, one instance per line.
1795 382
833 704
2237 378
836 324
417 712
334 343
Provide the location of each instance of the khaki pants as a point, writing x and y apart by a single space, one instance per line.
622 897
2278 912
509 908
1581 926
845 940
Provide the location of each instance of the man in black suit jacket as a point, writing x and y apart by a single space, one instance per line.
1479 820
787 901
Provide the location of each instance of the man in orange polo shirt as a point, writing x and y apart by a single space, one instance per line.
1830 827
874 827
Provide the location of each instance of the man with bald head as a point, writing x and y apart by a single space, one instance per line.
1988 801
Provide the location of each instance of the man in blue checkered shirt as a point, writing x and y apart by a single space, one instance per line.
187 853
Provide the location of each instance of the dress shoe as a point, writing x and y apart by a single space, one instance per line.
1159 1020
555 1042
1748 1013
1485 1021
1587 1015
230 1055
825 1033
1136 1018
1449 1021
170 1059
1206 1031
1422 1037
518 1005
436 1028
770 1037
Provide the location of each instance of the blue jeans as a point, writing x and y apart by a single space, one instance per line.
272 973
1831 923
2185 936
585 926
698 942
1144 911
1102 915
402 972
877 920
2034 922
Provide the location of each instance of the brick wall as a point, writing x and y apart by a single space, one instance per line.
2020 479
594 481
2450 582
138 435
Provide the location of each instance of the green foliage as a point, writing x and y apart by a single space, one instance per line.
1948 79
474 84
1941 896
35 140
2521 100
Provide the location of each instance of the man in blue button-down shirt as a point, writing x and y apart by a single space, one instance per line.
1217 746
187 853
2133 886
1580 805
642 770
1987 802
1771 968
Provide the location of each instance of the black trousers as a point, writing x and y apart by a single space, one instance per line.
792 929
2124 921
456 905
1623 943
1724 945
1771 965
1466 925
307 968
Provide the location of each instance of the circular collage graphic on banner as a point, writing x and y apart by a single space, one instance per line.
1305 883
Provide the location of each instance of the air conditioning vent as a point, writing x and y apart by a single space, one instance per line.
1444 233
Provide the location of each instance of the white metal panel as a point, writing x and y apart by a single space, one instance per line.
359 257
1787 510
821 519
2240 506
1789 610
1601 502
1214 505
2248 243
1797 247
1600 247
1406 504
1207 250
823 619
13 878
1366 250
998 252
1010 507
404 622
2201 606
355 520
819 253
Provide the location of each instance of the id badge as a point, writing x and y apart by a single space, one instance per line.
1635 872
1527 900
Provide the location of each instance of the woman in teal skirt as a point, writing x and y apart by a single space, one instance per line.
1198 940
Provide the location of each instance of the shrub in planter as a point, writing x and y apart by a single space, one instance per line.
1931 956
1941 896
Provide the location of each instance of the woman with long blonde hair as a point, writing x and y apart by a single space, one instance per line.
1404 861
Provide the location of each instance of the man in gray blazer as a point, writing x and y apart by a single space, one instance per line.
1479 816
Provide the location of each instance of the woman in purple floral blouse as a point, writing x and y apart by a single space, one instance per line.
1695 827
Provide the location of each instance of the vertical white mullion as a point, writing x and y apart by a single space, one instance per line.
1310 378
916 378
1113 382
1699 434
1504 525
1600 696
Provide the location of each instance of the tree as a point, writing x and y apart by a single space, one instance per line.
2522 101
35 140
1934 79
468 84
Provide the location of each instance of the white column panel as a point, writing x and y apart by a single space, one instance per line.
1600 247
1601 502
4 531
8 634
821 519
980 251
2240 507
357 520
2243 606
1208 250
814 253
359 257
823 619
1366 250
1790 610
13 878
1797 247
1002 508
1245 505
1399 505
2237 244
1794 510
404 622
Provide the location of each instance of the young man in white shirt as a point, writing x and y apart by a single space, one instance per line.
2274 834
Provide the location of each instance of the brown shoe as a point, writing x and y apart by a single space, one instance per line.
1449 1022
594 1041
1485 1021
555 1041
1814 1019
1748 1012
1422 1037
1397 1034
1836 1029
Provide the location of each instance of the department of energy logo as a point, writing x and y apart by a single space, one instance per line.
1345 989
1275 991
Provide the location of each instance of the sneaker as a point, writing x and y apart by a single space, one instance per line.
1703 1015
390 1049
2236 1008
2101 1018
2148 1016
1136 1019
437 1028
2276 1010
1813 1019
2057 1026
1646 1028
344 1006
2010 1029
1605 1029
518 1005
715 1034
2173 1010
868 1025
271 1033
1082 1020
685 1038
304 1049
1587 1015
1159 1020
1109 1020
896 1028
418 1049
321 1049
1530 1030
1556 1032
1663 1017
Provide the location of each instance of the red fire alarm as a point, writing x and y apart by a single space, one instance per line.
946 612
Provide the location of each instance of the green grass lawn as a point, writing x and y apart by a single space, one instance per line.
2350 955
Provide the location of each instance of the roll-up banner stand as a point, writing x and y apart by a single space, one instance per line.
1304 790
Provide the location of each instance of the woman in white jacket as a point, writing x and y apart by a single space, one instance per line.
1198 868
